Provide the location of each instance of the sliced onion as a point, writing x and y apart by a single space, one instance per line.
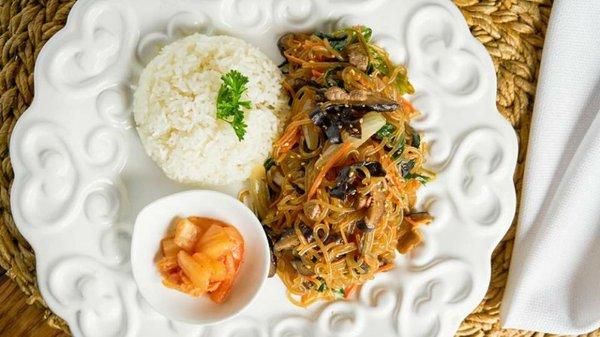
326 155
311 136
371 123
258 191
278 178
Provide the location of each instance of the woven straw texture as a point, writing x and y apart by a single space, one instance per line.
512 31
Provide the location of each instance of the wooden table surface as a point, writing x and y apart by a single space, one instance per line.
17 318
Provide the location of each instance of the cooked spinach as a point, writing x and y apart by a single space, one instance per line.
342 38
270 162
422 179
401 144
385 131
404 85
322 287
339 293
405 168
416 140
329 78
377 62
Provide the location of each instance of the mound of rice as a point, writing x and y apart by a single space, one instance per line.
175 109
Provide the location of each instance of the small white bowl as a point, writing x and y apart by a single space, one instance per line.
151 226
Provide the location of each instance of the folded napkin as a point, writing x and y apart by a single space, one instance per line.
554 277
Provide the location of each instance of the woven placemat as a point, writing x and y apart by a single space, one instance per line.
512 31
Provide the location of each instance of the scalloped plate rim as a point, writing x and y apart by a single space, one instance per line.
20 173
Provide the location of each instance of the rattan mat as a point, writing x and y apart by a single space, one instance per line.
512 31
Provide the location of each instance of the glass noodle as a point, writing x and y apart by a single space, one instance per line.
337 197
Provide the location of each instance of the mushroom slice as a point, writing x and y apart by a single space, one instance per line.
301 268
288 240
376 209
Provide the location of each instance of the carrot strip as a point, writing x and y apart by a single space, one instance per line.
289 138
316 73
385 267
406 104
293 58
341 152
321 65
286 143
392 169
350 291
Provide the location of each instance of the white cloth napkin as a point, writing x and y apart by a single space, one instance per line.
554 277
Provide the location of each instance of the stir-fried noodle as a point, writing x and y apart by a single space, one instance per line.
337 196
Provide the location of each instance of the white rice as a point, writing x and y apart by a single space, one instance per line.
175 109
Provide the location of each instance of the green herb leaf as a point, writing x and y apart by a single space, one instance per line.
403 84
385 131
377 62
367 33
406 167
341 38
339 293
322 287
400 149
338 40
422 179
270 162
416 140
229 101
328 78
339 45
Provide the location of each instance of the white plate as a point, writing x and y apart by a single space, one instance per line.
81 174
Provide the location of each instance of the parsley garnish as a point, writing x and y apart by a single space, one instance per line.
322 287
229 101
